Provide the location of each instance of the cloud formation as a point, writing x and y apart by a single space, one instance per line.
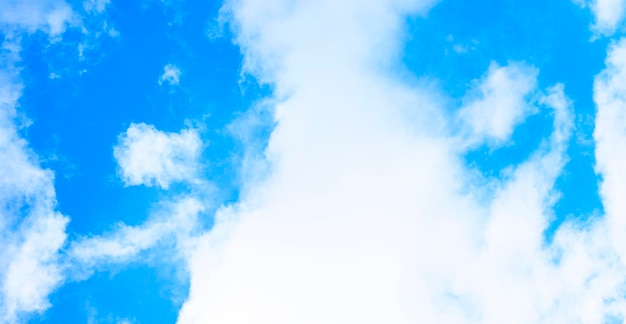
609 14
370 215
52 17
499 102
610 136
171 75
173 225
147 156
31 230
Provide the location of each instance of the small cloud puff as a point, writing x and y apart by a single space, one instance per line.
499 102
171 75
609 14
95 5
147 156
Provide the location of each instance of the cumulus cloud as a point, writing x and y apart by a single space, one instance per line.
609 14
499 102
31 265
610 136
147 156
31 230
370 215
171 75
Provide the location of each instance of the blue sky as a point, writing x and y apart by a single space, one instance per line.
281 161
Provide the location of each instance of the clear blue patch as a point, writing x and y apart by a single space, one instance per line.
457 40
138 292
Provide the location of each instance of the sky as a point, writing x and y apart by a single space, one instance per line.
291 161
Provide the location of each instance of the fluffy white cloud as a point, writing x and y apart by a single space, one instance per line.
609 14
171 75
31 231
147 156
499 102
370 216
33 269
610 136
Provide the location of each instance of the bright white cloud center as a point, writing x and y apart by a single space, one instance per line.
500 101
609 14
370 216
147 156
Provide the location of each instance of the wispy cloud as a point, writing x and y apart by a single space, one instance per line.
96 5
51 17
171 75
173 225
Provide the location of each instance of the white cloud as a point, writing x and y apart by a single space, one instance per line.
176 220
370 216
34 270
171 75
51 17
31 231
96 5
369 210
499 102
147 156
610 136
609 14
